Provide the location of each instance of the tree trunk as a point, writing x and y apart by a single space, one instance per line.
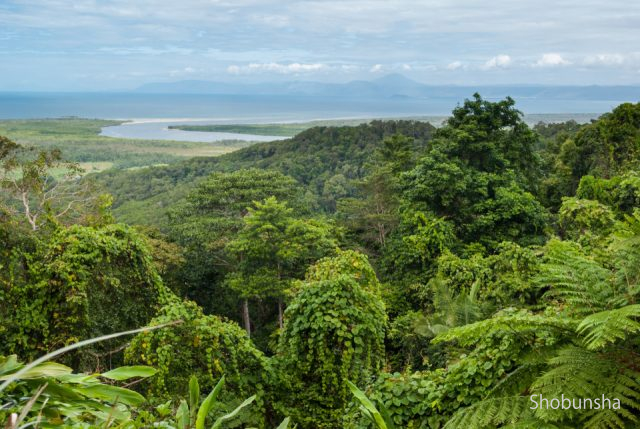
280 313
245 316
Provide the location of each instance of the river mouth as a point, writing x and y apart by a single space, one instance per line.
159 130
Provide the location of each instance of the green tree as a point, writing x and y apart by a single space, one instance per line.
30 189
202 345
374 214
210 219
272 249
79 282
479 175
333 332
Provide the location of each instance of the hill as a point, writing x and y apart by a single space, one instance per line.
311 157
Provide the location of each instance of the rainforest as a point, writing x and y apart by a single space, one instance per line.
391 274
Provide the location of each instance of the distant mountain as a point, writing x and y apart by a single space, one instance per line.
394 86
388 86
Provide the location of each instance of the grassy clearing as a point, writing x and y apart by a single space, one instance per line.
80 142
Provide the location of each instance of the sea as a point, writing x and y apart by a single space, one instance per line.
153 113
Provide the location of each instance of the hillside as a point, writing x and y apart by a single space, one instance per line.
311 157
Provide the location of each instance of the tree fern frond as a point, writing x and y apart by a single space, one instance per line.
607 419
518 381
574 278
607 327
577 373
490 413
512 323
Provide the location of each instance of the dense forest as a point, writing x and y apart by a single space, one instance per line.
387 275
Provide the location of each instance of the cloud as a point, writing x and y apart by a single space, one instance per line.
605 59
291 68
499 61
184 71
406 67
551 60
226 36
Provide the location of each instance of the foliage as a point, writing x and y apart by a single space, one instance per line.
50 395
202 345
506 260
63 288
479 174
30 188
210 220
333 332
272 249
310 157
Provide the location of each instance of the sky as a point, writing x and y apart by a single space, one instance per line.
80 45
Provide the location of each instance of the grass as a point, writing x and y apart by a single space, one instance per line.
80 142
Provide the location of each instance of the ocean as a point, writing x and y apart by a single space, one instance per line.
259 108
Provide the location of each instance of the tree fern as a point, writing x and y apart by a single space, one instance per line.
575 279
491 412
607 327
516 323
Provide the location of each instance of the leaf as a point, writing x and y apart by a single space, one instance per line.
284 424
9 364
47 369
233 413
127 372
182 415
368 405
194 397
112 394
208 404
610 326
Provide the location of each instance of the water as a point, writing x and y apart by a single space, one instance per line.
259 108
159 130
163 109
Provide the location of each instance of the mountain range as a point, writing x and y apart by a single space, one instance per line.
394 86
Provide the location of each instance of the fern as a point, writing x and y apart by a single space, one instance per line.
579 373
490 413
574 279
607 327
518 323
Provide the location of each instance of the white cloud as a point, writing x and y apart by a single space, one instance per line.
499 61
185 71
551 60
605 59
376 68
406 67
276 68
455 65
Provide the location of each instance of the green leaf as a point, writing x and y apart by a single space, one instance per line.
194 397
182 415
47 369
127 372
9 364
284 424
112 394
368 405
233 413
208 404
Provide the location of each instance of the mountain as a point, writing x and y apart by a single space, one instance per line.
394 86
387 86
